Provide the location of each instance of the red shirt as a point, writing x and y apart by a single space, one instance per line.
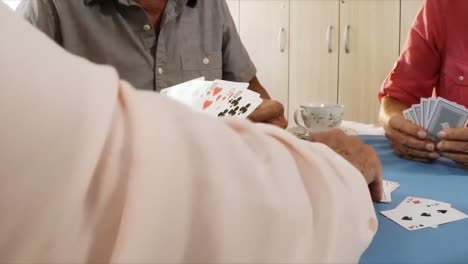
435 56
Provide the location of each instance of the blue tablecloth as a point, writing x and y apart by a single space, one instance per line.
444 181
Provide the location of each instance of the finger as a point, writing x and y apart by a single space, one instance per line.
457 157
409 141
376 190
453 146
454 134
415 154
399 123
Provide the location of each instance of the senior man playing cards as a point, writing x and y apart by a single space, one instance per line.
155 44
93 171
434 59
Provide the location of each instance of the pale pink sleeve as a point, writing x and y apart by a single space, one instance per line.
91 172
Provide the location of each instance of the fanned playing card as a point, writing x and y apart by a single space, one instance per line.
240 105
187 92
217 98
446 114
219 94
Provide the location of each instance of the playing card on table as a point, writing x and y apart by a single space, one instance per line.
446 114
388 188
415 213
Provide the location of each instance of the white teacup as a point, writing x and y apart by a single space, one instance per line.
318 117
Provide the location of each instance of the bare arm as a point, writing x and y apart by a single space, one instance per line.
257 87
270 111
390 107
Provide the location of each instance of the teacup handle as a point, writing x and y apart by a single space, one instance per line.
296 118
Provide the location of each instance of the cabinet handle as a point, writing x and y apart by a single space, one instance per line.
282 40
346 39
328 39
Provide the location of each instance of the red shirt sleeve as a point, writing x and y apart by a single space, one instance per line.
417 70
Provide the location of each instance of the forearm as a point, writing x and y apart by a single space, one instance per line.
256 86
390 107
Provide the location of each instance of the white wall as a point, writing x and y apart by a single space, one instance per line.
12 3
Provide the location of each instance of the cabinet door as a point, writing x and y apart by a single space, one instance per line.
234 8
264 31
313 54
409 10
369 48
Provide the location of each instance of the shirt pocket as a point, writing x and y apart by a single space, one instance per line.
209 65
454 81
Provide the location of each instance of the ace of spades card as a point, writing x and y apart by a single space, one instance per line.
240 105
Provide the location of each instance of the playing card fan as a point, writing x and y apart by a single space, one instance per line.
217 98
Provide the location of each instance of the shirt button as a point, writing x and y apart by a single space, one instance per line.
146 27
461 78
206 61
160 70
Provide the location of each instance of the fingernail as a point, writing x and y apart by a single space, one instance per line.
440 146
441 134
422 134
434 155
430 147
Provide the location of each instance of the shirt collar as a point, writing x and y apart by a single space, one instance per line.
179 3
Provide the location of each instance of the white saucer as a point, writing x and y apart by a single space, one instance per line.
301 133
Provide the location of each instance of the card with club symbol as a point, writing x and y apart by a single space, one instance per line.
217 98
415 213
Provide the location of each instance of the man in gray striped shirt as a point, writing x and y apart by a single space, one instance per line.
154 44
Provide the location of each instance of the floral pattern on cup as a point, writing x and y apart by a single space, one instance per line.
319 117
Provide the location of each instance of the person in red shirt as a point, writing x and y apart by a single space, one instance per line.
434 61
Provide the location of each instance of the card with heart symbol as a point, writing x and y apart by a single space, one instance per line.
223 98
217 98
415 213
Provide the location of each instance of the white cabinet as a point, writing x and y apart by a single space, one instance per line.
313 54
409 10
341 51
264 30
336 51
369 48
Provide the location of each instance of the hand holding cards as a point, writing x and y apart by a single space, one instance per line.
217 98
437 114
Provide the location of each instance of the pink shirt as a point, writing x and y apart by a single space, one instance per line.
93 171
435 56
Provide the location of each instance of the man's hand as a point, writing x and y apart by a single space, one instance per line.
454 144
360 155
409 140
271 112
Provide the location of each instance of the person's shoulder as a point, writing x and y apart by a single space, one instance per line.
441 6
55 3
208 5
